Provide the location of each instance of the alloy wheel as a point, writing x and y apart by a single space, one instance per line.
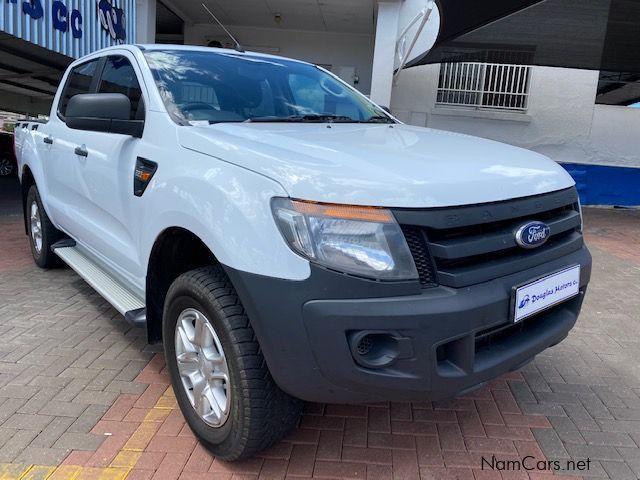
36 227
203 368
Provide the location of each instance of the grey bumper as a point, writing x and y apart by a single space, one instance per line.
447 340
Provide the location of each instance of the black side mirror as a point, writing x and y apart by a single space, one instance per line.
103 112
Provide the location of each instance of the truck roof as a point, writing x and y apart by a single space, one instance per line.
194 48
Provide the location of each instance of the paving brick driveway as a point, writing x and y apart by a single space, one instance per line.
82 396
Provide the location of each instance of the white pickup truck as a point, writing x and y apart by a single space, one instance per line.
288 239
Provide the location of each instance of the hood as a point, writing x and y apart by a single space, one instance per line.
379 164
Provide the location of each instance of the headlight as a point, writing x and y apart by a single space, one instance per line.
363 241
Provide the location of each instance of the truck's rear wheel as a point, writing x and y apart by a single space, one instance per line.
6 167
42 233
218 373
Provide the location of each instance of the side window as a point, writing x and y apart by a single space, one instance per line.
79 81
119 76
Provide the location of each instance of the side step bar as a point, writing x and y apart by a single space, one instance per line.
112 290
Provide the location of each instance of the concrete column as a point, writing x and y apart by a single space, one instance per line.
384 52
146 21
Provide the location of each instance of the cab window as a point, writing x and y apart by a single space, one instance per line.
79 81
119 76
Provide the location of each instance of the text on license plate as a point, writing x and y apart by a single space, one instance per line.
546 292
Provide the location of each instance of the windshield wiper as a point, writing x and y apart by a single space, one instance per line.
311 118
378 119
320 118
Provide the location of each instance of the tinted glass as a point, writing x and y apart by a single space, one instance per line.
79 81
619 88
226 87
119 76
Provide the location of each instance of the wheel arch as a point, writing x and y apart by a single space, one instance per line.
27 180
175 251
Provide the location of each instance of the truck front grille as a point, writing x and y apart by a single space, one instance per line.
417 242
462 246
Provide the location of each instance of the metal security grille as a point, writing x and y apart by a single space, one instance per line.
492 86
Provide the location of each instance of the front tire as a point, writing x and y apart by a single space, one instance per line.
219 375
42 234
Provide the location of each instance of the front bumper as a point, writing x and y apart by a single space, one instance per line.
449 340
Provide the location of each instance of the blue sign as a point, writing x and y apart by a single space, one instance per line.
62 19
112 20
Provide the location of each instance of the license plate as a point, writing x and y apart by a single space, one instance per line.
546 292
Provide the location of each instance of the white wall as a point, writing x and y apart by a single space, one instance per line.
384 52
562 122
146 21
336 49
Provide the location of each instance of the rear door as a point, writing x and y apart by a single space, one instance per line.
59 168
102 170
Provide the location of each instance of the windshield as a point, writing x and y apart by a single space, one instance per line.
214 87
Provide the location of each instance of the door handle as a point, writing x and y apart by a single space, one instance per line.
82 151
48 140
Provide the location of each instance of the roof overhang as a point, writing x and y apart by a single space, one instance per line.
30 73
593 34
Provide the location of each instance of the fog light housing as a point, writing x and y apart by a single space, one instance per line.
378 349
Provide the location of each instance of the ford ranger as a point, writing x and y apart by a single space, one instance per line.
287 239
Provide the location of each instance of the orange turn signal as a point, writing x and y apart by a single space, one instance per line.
347 212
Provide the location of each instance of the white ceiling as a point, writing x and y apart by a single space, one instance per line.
353 16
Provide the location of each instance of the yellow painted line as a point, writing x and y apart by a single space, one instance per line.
167 402
141 437
148 428
119 468
156 415
126 459
92 473
12 471
66 472
37 472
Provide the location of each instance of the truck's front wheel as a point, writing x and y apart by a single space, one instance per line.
218 373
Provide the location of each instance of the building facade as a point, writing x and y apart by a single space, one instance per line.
39 38
557 112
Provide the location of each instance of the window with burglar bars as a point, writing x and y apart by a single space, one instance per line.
487 86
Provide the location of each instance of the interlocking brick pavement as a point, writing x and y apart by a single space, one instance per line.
83 396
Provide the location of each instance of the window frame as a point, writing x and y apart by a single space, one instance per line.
100 73
96 80
92 87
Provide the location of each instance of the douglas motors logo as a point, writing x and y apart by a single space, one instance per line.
112 19
524 302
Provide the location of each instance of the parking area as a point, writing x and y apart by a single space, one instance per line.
83 397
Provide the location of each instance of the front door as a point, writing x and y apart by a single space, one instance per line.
103 170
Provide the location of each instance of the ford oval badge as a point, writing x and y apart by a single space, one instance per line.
532 234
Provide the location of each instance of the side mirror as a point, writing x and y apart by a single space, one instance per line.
103 112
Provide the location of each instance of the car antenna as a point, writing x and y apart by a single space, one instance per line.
238 47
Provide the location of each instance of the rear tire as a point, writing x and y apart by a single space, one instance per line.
219 375
42 234
6 167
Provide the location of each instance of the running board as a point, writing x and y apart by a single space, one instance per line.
113 291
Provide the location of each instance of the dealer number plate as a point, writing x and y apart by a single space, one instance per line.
546 292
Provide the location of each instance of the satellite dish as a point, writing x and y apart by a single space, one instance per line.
418 27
